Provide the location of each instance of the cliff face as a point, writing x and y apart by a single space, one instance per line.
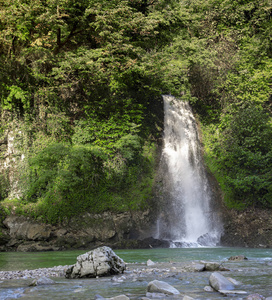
250 228
126 230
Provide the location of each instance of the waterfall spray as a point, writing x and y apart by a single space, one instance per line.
189 220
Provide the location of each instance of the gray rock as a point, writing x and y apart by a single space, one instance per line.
42 281
211 266
120 297
157 286
195 267
237 258
150 263
235 282
118 279
255 297
198 267
228 292
99 262
21 228
155 295
208 289
187 298
80 290
219 282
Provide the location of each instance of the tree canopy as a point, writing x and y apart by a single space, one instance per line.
84 79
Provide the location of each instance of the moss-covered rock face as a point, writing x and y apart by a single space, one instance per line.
249 228
123 230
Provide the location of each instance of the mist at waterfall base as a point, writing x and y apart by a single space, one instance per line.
188 219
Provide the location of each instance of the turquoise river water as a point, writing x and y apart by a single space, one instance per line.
255 274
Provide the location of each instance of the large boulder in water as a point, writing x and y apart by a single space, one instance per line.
99 262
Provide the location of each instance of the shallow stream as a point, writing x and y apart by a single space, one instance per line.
255 274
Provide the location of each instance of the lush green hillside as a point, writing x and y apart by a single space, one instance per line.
81 82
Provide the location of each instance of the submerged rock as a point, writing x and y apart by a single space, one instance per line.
212 266
208 289
235 282
187 298
120 297
228 292
99 262
237 258
195 267
255 297
219 282
154 295
42 281
157 286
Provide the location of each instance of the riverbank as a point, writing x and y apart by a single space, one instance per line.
250 228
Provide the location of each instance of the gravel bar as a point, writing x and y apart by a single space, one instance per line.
58 271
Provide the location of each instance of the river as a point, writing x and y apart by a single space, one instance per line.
255 274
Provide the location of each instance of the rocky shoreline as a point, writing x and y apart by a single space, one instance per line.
58 271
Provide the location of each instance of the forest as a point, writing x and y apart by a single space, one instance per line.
81 85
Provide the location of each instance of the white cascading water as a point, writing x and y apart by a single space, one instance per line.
192 223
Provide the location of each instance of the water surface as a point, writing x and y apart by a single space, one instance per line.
255 274
10 261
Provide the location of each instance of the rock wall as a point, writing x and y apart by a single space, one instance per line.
126 230
250 228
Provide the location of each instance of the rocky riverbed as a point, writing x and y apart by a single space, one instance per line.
191 279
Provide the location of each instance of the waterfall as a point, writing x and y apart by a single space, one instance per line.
188 219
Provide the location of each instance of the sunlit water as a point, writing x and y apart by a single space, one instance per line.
255 274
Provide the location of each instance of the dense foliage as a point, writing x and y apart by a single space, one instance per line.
83 81
236 108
